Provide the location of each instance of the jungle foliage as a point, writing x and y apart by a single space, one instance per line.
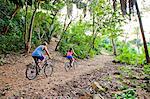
30 22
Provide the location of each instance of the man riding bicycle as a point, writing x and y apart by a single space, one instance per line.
38 53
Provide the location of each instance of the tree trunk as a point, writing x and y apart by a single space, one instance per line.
123 6
114 5
26 29
142 32
49 35
64 30
93 42
5 29
15 12
28 44
114 47
56 49
93 35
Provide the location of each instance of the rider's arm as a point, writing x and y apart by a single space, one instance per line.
47 52
74 53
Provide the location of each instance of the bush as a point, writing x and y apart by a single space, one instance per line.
92 53
130 94
147 69
130 56
11 43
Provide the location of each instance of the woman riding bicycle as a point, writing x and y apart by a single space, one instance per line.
38 53
69 55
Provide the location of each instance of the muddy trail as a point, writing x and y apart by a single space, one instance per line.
13 79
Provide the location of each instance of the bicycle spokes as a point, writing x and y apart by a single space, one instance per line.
48 70
31 72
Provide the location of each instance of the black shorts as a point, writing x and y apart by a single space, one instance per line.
36 58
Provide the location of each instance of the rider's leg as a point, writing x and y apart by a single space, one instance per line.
72 61
41 60
35 60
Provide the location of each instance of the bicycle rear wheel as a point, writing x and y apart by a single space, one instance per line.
48 70
31 72
67 66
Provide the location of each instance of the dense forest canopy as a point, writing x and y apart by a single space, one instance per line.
27 23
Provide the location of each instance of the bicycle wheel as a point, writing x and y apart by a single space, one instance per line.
75 64
67 66
31 72
48 70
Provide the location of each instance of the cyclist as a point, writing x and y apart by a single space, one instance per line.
69 55
38 53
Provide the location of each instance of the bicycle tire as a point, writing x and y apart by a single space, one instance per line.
67 66
31 72
48 70
75 64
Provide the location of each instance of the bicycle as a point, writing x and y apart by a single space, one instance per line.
33 70
68 65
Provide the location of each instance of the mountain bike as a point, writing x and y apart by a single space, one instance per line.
33 70
67 65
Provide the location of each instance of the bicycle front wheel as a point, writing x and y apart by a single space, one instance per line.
31 72
75 64
48 70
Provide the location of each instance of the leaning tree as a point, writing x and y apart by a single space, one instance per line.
130 4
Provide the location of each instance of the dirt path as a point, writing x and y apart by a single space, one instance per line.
13 80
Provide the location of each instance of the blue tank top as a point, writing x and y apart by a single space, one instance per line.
38 51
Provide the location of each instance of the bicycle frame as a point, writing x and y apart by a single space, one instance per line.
45 62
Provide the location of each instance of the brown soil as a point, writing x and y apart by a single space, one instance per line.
13 75
13 82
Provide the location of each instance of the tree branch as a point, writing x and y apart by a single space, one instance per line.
5 14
